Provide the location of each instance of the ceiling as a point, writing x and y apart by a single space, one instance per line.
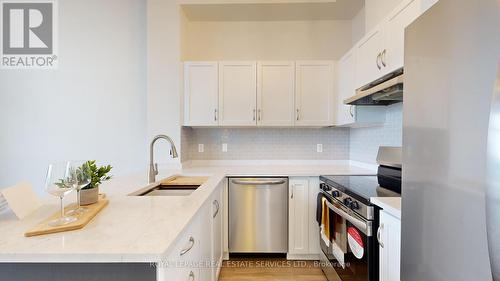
271 10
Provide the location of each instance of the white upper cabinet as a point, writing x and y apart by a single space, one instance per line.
381 51
267 93
369 52
395 26
237 93
314 93
346 88
201 93
275 93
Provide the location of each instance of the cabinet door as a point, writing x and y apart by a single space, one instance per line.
404 15
314 93
368 64
346 88
201 93
298 216
314 247
389 236
205 242
238 93
217 237
187 252
275 93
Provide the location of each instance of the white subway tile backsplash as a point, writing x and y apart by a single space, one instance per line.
358 144
266 143
364 142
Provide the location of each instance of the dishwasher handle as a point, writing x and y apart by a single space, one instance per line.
257 182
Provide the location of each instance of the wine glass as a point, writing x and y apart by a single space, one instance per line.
80 173
59 183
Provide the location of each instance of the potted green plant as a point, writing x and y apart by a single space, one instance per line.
90 193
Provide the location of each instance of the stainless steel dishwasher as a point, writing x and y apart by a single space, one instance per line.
258 215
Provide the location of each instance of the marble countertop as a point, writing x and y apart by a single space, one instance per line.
391 205
142 229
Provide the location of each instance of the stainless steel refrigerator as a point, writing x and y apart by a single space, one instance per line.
451 140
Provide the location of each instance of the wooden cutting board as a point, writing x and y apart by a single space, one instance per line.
181 180
83 219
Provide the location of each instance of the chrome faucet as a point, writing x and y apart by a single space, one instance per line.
153 167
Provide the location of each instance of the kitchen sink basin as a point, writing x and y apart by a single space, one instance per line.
173 186
170 190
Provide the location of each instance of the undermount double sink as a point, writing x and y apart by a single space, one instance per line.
173 186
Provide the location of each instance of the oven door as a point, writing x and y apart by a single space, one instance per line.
353 254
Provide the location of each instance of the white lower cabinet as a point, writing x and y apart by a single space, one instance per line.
298 234
389 237
217 228
181 263
197 252
303 230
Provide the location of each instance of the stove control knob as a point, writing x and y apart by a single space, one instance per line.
336 193
354 205
327 188
347 202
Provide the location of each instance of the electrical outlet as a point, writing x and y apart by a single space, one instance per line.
224 147
201 148
319 148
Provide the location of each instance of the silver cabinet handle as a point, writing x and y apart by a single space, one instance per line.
216 203
215 115
254 114
293 188
298 115
191 242
379 231
259 115
382 57
350 111
191 275
378 59
243 182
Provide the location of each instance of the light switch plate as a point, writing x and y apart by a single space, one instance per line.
224 147
319 148
201 148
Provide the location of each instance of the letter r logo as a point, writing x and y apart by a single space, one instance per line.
27 28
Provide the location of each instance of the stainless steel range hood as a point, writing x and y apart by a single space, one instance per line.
383 91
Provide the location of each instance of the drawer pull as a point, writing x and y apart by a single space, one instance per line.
191 275
191 241
382 58
216 204
379 235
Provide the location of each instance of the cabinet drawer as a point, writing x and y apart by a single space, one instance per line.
184 261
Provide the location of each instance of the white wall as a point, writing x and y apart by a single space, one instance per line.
358 26
164 75
266 40
376 10
92 107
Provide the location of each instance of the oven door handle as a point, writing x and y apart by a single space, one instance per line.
365 227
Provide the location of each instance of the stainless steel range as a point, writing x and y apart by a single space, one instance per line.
350 250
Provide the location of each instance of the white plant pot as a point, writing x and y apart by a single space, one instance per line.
89 196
